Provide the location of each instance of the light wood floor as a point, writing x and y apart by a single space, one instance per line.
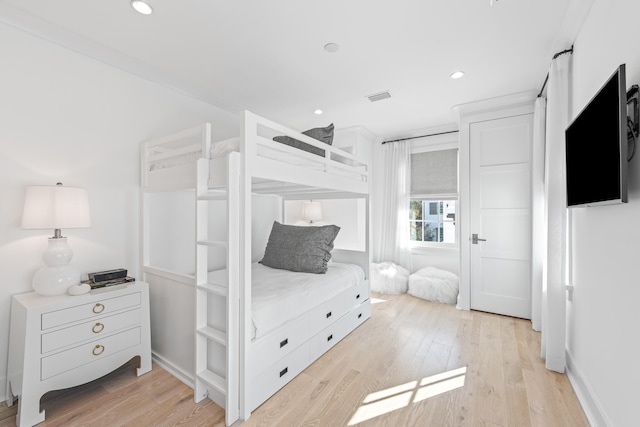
414 363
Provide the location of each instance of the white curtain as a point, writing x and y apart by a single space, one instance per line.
538 230
396 195
556 217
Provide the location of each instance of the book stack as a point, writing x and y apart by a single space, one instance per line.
102 279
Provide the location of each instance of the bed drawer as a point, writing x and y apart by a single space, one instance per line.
88 353
328 337
90 330
87 311
276 376
328 312
267 350
334 333
360 293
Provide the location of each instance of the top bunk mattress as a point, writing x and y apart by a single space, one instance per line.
278 296
221 149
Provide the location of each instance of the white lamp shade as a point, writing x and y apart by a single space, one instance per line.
55 206
312 211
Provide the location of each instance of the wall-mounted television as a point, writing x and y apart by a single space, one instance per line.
596 147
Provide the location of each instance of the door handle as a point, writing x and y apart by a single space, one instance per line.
475 239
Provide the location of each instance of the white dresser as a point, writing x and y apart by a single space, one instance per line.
63 341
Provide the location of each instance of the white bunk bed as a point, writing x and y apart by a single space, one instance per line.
240 361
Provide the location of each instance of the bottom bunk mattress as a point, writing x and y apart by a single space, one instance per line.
278 296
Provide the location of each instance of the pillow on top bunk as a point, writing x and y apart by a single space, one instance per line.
321 134
299 248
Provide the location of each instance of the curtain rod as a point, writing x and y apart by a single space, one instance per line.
421 136
546 79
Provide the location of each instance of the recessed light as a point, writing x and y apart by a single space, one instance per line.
457 74
331 47
142 7
318 112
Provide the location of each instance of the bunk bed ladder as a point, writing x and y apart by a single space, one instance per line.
217 330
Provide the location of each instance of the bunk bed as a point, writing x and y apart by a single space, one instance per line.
256 327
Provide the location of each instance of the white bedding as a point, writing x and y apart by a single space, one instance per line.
281 295
224 147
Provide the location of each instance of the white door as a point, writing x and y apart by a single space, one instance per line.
500 214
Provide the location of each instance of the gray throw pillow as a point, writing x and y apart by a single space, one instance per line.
302 249
321 134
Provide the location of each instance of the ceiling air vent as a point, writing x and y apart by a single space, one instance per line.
379 96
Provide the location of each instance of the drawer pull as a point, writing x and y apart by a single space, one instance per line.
284 371
284 342
328 315
358 296
97 328
98 308
330 337
98 350
359 315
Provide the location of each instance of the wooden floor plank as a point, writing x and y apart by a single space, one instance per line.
413 363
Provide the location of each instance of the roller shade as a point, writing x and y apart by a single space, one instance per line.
435 172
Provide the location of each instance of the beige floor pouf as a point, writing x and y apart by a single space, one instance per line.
433 284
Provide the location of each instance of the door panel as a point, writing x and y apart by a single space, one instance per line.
500 213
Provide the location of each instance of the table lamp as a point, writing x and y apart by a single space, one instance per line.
311 211
56 207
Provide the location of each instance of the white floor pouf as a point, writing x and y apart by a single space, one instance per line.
433 284
388 278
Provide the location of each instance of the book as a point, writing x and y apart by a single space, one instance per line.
94 285
103 276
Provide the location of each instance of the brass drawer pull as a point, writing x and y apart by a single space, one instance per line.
98 350
98 308
97 328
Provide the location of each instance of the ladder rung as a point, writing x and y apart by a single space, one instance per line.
213 196
213 334
213 380
214 289
213 243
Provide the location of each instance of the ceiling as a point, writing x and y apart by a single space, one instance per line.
268 56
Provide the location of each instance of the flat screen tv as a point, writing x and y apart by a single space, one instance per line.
596 147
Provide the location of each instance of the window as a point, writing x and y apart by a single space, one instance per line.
434 194
432 221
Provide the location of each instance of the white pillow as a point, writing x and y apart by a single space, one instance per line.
224 147
388 278
433 284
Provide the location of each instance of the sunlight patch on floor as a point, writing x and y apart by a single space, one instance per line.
398 397
377 300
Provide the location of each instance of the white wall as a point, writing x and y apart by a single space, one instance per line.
602 342
65 117
348 214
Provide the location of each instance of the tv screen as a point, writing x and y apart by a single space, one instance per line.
596 147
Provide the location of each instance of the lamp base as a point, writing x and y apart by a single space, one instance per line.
58 275
55 280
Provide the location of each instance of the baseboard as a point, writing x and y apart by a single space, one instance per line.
590 404
174 370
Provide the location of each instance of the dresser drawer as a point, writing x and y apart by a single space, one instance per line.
86 311
88 353
93 329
